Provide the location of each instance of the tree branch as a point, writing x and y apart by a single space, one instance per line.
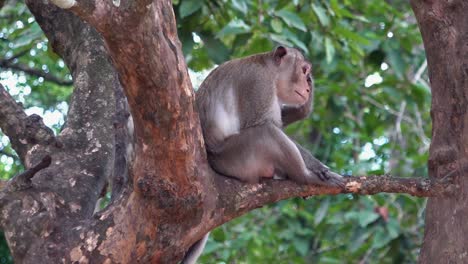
23 180
101 14
238 198
160 112
23 131
6 64
88 135
17 55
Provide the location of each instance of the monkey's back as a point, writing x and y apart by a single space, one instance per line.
236 95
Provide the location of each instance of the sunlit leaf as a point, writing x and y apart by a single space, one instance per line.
216 49
234 27
276 25
188 7
321 211
367 217
301 245
321 15
329 49
240 5
291 19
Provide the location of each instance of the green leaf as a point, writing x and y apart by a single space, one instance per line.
295 40
381 238
359 238
301 245
393 228
394 57
218 235
321 211
236 26
276 25
281 39
340 10
351 35
216 49
241 40
240 5
212 247
367 217
188 7
321 15
291 19
329 50
331 260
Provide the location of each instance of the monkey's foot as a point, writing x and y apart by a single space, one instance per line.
329 178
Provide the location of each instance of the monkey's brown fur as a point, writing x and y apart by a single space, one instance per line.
243 105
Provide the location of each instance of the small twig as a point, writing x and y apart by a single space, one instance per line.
420 71
420 131
388 109
420 187
15 56
34 72
366 256
399 119
23 180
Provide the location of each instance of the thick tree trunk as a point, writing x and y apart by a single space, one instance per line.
444 27
168 197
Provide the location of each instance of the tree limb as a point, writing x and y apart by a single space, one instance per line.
161 114
34 72
102 13
238 198
17 55
23 180
23 131
87 137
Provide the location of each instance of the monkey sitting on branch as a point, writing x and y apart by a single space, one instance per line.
244 104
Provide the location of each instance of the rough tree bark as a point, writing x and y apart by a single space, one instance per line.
168 197
444 28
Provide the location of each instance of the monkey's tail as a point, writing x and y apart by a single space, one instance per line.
195 250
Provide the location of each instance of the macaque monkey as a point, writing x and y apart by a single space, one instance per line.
243 105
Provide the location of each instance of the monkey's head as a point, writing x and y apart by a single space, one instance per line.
293 77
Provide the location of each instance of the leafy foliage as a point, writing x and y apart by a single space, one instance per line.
371 116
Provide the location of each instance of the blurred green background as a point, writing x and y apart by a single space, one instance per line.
371 116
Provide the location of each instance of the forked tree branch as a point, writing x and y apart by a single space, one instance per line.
23 131
87 137
23 180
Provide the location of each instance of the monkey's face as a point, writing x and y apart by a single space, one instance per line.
294 81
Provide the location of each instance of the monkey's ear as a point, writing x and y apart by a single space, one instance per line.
280 52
